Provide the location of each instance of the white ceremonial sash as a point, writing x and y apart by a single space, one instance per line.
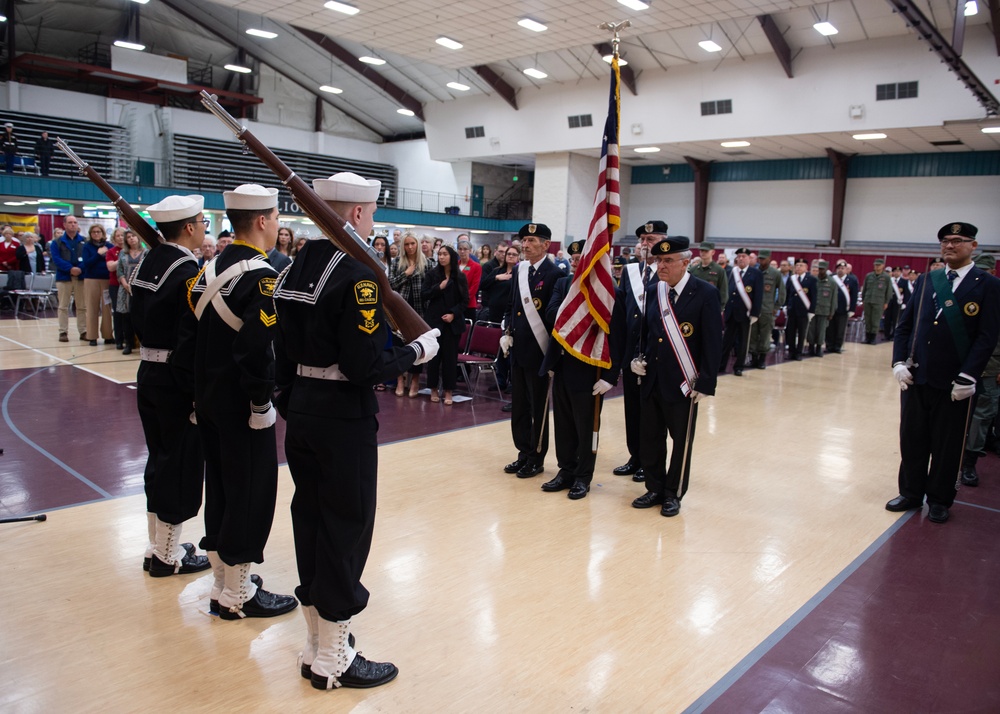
214 284
843 288
676 338
899 293
802 293
530 311
741 289
635 280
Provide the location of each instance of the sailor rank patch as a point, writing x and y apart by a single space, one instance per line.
687 329
971 309
368 324
366 292
266 286
268 320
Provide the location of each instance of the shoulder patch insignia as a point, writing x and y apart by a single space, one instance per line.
687 329
268 320
266 286
768 288
366 292
971 309
368 324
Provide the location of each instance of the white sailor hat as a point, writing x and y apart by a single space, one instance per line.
346 187
176 208
251 197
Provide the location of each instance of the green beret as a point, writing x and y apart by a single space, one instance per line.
986 261
823 264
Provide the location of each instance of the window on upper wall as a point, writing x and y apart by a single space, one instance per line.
717 106
474 132
580 120
898 90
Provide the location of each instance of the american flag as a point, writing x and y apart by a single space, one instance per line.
584 317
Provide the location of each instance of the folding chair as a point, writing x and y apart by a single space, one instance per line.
37 290
856 324
5 297
482 353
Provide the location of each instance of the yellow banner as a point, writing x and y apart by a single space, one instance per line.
19 222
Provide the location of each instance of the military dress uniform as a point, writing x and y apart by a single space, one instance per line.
529 386
875 295
847 298
797 322
893 308
825 306
714 274
737 318
951 336
163 321
772 301
667 413
575 386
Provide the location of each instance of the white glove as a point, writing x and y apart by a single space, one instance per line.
506 342
262 419
902 374
193 418
426 346
600 387
753 319
639 367
697 396
962 388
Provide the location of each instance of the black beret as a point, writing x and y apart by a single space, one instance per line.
666 246
651 228
619 260
575 248
966 230
742 251
535 229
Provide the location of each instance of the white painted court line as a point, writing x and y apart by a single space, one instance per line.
64 361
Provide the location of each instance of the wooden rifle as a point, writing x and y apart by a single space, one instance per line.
400 313
131 216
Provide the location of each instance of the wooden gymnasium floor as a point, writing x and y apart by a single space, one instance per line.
783 586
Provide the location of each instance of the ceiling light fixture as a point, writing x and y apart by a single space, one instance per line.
458 86
479 233
3 18
735 144
869 137
330 90
124 44
262 33
991 130
710 46
528 24
405 112
368 59
825 28
971 8
449 43
621 60
646 149
536 73
238 68
141 2
341 7
634 4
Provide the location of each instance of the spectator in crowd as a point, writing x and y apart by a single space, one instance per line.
497 263
128 260
407 274
8 249
427 248
299 242
393 251
67 254
95 284
485 254
563 264
9 146
224 239
473 272
286 240
380 244
44 147
207 250
496 287
446 295
111 258
29 254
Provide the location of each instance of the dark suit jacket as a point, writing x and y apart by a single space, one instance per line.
937 358
632 316
845 305
438 302
795 306
753 283
580 375
697 306
904 287
525 351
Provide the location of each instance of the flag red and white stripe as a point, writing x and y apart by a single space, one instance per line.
584 317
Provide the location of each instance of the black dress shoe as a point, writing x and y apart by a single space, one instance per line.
969 476
514 466
738 372
93 343
937 513
578 491
639 476
625 469
262 604
189 547
559 483
529 470
902 503
306 669
127 350
648 500
671 507
797 357
508 407
190 563
362 674
213 605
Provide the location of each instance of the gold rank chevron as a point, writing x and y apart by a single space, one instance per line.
268 320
